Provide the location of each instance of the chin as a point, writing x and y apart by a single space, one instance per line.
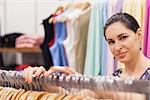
123 60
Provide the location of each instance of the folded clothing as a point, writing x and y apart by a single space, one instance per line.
9 40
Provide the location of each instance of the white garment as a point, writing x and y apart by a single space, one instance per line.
69 42
75 44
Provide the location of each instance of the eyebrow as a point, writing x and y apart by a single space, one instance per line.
121 34
117 36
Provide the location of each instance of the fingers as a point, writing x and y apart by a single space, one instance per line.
40 70
64 70
29 72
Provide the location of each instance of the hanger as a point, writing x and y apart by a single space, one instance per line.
58 11
74 5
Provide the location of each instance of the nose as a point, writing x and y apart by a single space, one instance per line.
118 47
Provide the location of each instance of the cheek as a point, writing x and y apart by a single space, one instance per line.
130 43
133 44
132 48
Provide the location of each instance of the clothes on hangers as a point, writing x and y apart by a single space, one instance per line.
75 43
69 40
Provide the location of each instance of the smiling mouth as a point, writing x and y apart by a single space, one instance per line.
121 55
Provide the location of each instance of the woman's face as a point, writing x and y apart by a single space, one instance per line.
123 42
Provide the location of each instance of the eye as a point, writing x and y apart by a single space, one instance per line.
123 37
111 42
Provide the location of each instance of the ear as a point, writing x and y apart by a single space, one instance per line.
139 34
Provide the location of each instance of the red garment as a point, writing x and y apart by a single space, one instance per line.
21 67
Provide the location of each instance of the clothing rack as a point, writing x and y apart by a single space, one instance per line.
74 84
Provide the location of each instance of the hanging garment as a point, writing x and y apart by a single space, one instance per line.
57 49
69 42
94 42
75 43
49 31
81 41
104 48
118 6
147 30
49 36
127 6
138 10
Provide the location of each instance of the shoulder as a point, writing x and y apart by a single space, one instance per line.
117 72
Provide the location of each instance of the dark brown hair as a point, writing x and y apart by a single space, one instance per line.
128 20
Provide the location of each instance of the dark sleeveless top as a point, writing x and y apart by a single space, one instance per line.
145 75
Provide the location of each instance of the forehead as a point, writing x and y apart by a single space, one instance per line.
116 29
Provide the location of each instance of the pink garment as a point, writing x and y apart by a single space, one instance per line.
28 41
147 30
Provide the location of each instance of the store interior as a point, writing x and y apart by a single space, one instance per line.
67 33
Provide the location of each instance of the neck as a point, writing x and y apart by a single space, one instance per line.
137 66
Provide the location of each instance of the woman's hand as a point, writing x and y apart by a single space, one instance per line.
29 72
60 69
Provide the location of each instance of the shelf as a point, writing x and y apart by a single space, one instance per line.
22 50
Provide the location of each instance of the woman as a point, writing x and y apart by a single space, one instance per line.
124 37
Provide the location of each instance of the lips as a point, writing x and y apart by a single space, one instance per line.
121 55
